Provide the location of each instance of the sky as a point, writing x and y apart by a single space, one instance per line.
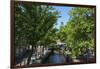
64 15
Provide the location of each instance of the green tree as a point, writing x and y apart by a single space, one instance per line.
80 29
32 23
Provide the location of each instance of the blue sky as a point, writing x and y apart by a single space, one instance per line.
64 15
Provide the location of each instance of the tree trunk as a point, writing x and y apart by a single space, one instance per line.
30 51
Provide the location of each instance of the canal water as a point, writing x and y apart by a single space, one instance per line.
57 58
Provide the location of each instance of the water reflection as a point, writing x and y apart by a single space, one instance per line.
57 58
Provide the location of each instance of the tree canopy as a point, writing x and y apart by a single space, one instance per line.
33 22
